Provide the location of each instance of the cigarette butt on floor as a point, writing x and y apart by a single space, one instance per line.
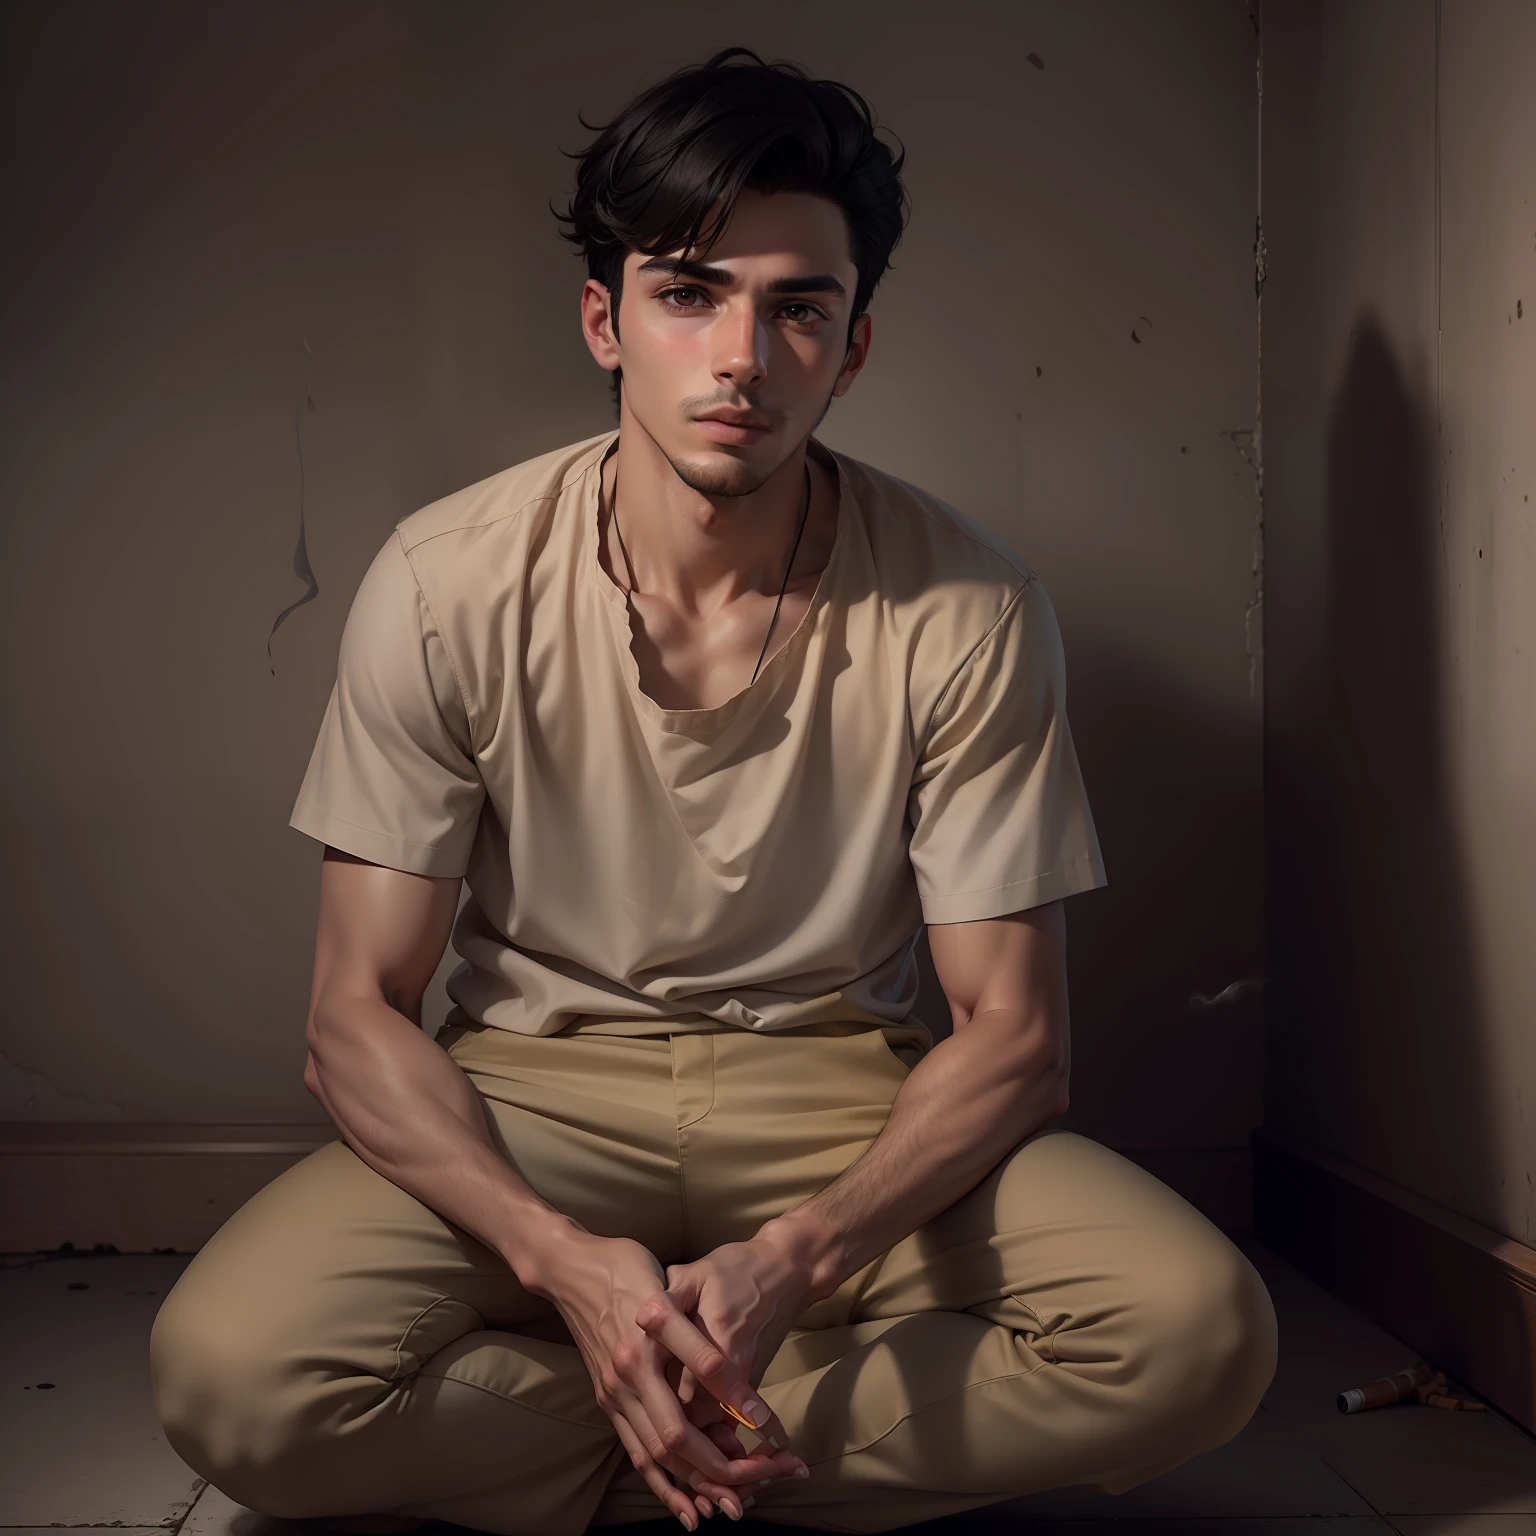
1385 1390
1418 1382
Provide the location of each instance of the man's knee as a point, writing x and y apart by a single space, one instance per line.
220 1395
1207 1341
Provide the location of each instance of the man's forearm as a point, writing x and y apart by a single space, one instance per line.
407 1109
973 1098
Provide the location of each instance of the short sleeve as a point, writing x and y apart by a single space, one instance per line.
1000 817
392 777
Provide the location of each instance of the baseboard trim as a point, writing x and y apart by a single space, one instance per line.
136 1188
1460 1293
157 1188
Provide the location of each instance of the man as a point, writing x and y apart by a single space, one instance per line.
712 720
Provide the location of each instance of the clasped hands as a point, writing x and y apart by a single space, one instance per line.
666 1347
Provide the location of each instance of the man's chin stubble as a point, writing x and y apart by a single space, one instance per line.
716 480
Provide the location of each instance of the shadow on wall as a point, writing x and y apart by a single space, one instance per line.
1397 948
1373 962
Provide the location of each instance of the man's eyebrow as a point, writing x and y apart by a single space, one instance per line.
702 272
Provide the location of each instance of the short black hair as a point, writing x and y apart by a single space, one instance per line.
697 138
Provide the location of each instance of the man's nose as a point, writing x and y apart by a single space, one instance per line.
741 342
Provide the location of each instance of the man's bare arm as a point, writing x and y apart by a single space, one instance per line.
398 1099
1000 1077
406 1108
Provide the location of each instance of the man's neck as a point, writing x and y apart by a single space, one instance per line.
700 553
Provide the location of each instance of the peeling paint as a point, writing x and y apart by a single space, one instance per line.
1244 439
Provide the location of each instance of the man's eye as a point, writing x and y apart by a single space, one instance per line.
670 297
807 312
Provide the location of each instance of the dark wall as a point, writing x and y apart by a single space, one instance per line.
249 241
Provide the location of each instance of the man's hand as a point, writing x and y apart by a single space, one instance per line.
599 1285
743 1298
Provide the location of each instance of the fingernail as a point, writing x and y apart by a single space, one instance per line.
755 1411
802 1470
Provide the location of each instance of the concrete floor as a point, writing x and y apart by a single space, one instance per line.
82 1447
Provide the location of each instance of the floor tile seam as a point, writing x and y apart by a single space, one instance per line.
1442 1514
178 1524
1369 1504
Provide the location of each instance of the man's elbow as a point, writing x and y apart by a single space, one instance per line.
315 1038
1040 1100
1047 1076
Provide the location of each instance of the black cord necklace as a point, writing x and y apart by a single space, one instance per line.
613 505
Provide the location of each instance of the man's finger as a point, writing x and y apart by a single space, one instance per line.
663 1320
640 1435
695 1450
725 1437
688 1475
672 1498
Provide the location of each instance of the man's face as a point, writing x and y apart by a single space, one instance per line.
755 329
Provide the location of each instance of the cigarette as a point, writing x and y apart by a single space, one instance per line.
733 1413
1387 1389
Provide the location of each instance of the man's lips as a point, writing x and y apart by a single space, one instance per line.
733 429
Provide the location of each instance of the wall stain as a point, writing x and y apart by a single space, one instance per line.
33 1080
301 565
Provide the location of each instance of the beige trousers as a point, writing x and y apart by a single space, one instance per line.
338 1348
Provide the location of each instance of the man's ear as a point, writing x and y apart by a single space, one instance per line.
856 355
600 324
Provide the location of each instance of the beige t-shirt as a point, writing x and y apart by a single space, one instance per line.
903 758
